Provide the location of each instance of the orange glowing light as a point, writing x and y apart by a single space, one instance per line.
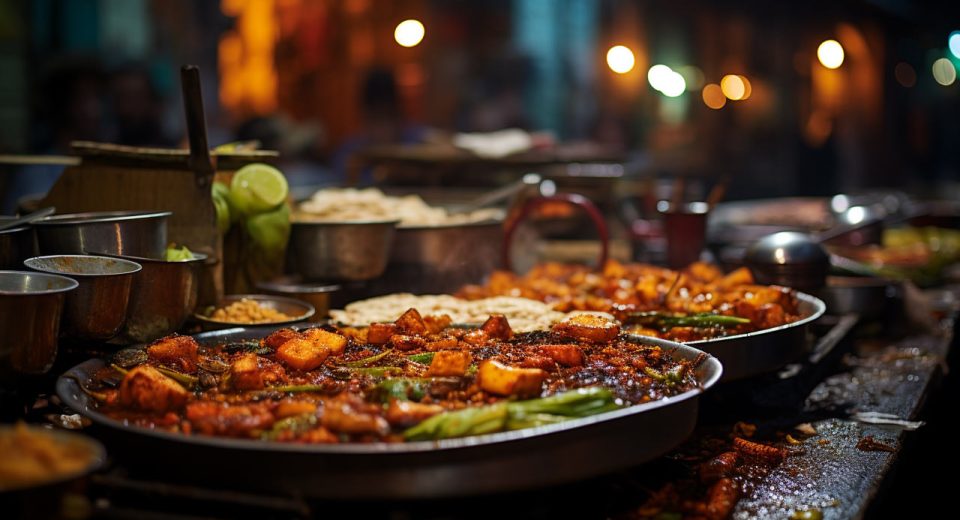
713 96
733 87
248 78
620 59
409 33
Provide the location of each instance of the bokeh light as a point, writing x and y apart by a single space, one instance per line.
713 96
733 87
666 81
944 72
830 54
953 42
905 74
409 33
692 75
620 59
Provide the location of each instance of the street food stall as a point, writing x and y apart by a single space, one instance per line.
544 330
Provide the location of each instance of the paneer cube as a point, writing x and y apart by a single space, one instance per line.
449 363
177 351
588 327
437 322
379 333
291 408
496 378
245 373
741 276
410 322
442 343
497 327
279 337
408 413
331 341
566 355
302 354
145 388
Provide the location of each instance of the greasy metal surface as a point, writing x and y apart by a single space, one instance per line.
30 306
831 474
505 461
764 351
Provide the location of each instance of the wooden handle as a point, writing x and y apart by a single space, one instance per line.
510 226
196 123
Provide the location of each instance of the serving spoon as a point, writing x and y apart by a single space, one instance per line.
28 218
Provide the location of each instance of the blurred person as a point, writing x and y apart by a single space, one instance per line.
382 122
137 108
68 107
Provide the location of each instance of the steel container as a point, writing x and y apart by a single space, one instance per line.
339 251
30 307
134 233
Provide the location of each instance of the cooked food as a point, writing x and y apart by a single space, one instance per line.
524 314
416 378
699 302
249 311
32 456
350 204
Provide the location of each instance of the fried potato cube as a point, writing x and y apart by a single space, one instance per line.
145 388
476 337
588 327
279 337
437 322
496 378
292 408
566 355
497 327
404 342
179 351
449 363
379 333
741 276
704 272
331 341
411 322
245 373
302 354
408 413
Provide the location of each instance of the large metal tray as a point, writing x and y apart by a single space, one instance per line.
507 461
767 350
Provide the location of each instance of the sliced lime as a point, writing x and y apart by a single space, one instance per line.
257 188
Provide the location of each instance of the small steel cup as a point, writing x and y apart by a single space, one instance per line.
30 307
98 308
685 228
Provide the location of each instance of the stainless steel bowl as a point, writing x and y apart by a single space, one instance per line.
443 258
163 296
98 308
135 233
340 251
30 306
16 245
317 295
297 310
867 296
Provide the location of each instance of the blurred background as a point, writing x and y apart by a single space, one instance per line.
782 98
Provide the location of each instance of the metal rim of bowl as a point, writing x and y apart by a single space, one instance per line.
134 266
294 287
197 257
479 223
98 456
6 218
325 222
71 284
231 298
94 217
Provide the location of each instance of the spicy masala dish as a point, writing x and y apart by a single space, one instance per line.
699 302
417 378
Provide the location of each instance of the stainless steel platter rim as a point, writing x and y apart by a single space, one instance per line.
71 283
96 217
478 223
69 389
309 310
819 308
134 266
304 287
